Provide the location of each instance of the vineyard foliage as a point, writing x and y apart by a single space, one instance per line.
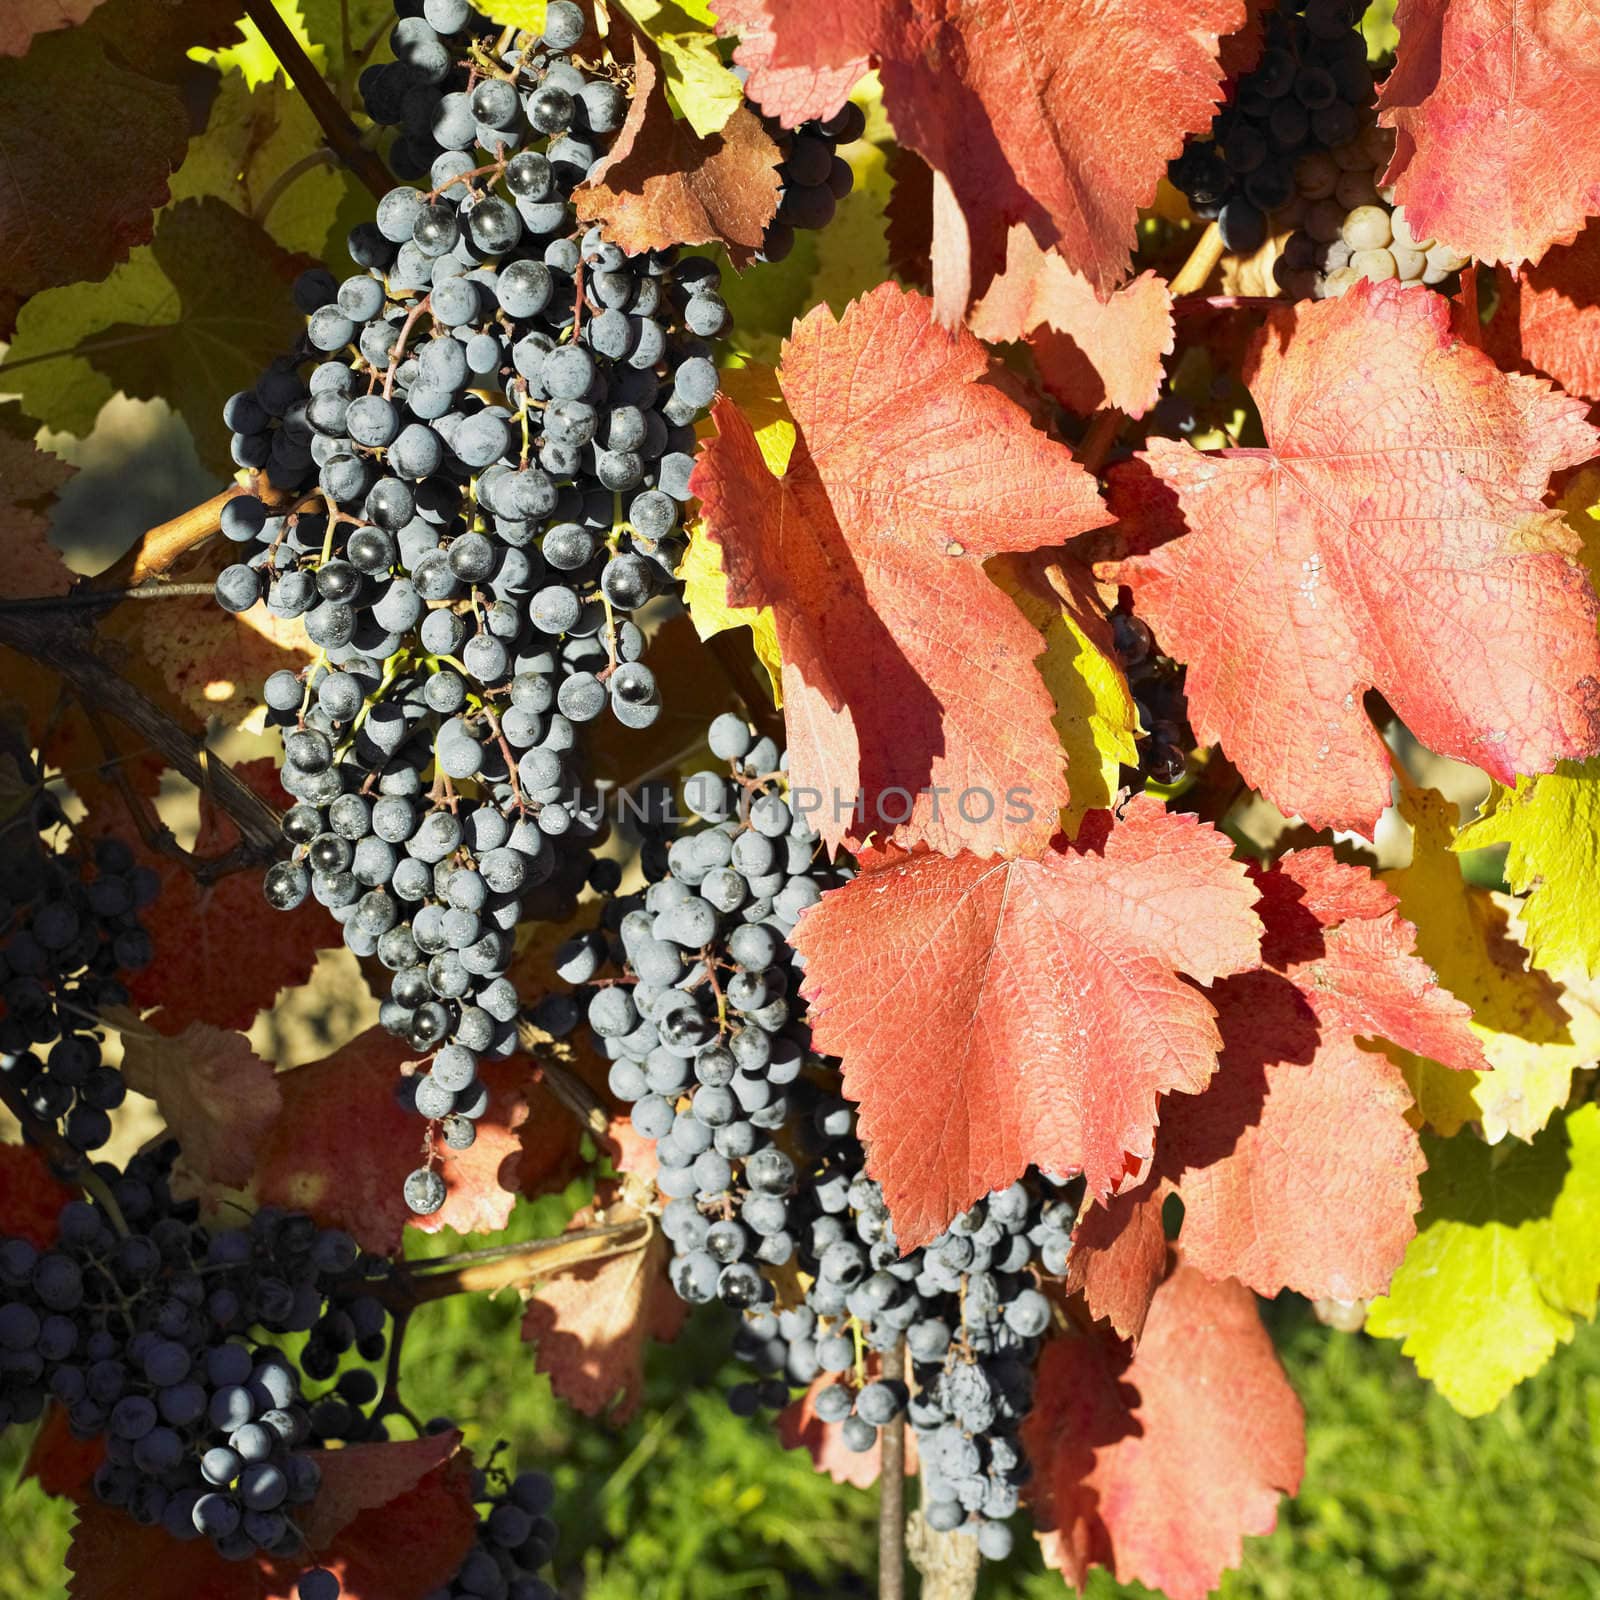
1180 634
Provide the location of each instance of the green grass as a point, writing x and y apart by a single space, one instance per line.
1403 1499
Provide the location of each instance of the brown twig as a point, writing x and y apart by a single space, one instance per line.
104 599
567 1087
1191 276
892 1490
65 649
163 545
525 1263
1192 303
343 135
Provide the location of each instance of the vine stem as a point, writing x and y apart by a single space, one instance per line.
892 1491
567 1087
286 179
104 599
343 135
1207 252
1097 440
66 651
163 545
948 1562
514 1265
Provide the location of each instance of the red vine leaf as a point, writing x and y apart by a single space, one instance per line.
199 931
1013 109
1498 148
1399 544
592 1324
791 94
1090 352
216 1095
30 480
1296 1165
662 184
392 1521
31 1197
64 1464
67 214
26 19
800 1428
1119 1256
310 1162
907 675
1548 317
1046 1010
1156 1462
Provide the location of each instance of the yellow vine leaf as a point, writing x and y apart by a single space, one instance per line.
254 59
1537 1029
1503 1263
1094 708
527 14
754 389
1552 826
704 91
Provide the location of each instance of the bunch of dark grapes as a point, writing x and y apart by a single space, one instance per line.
490 453
814 178
69 926
694 995
140 1323
1163 711
516 1539
696 1005
1299 149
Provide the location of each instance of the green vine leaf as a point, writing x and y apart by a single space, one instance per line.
193 316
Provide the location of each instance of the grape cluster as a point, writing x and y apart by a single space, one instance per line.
484 470
1309 92
69 924
1299 149
1347 228
138 1320
516 1538
813 177
695 1004
694 996
1157 684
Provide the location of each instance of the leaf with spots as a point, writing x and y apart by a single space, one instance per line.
1391 535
